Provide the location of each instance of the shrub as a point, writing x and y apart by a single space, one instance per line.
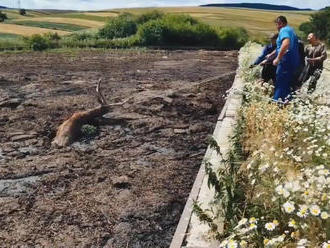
3 17
177 30
119 27
22 12
306 27
319 24
148 16
152 32
39 42
184 30
233 38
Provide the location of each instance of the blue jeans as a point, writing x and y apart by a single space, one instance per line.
284 78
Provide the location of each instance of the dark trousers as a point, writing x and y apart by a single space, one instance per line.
268 72
314 74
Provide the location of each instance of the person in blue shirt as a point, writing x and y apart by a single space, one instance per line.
269 70
287 59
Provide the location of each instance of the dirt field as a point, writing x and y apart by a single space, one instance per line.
126 186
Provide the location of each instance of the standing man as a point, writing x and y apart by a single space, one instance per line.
287 58
315 55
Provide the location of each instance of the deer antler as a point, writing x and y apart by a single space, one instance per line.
69 130
100 97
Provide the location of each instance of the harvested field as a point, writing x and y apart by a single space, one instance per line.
27 31
126 186
81 15
102 13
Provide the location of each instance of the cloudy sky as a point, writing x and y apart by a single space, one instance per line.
107 4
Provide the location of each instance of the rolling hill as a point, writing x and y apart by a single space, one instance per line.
261 6
257 22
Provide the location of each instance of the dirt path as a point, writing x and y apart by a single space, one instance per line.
125 187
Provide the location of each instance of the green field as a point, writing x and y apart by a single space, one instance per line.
5 36
51 25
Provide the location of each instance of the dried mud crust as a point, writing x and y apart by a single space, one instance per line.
125 187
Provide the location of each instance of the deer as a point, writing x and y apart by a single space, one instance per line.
69 130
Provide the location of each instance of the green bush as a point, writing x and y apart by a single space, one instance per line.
319 24
306 27
152 32
183 30
3 17
148 16
232 38
119 27
22 12
39 42
177 30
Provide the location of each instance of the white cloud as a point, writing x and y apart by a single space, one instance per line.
106 4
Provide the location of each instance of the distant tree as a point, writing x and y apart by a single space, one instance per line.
318 24
22 12
3 17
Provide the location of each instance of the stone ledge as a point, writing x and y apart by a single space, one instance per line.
190 230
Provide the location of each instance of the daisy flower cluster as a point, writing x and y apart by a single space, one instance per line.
287 170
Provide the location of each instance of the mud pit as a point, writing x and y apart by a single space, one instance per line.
125 187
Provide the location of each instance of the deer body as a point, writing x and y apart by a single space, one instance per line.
69 130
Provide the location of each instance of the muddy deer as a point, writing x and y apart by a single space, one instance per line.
69 130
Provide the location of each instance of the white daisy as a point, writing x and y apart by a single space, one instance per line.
326 244
232 244
303 211
243 244
315 210
288 207
270 226
292 223
324 215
